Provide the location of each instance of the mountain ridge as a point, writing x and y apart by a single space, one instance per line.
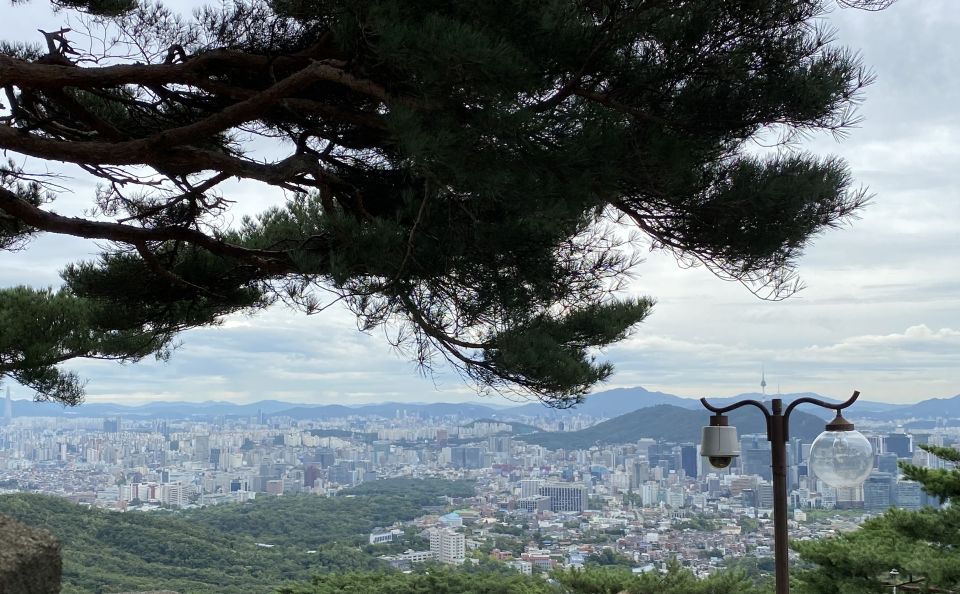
604 404
669 423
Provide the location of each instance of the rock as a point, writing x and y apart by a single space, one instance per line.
29 559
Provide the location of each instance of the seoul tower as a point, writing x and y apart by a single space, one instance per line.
763 381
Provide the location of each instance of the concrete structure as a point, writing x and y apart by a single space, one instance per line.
534 505
879 491
909 495
381 536
29 560
7 410
565 497
530 487
448 546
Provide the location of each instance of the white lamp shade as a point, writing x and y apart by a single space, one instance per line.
842 459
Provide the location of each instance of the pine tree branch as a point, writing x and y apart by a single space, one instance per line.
272 261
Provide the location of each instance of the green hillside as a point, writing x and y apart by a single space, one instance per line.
669 423
214 550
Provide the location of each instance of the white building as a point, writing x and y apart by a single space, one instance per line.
448 546
530 487
565 497
175 495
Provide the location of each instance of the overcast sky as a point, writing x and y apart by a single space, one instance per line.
881 311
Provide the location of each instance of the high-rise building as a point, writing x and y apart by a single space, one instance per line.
900 444
175 495
888 463
909 495
201 448
565 497
688 459
310 475
447 546
755 456
765 495
326 458
500 444
530 487
639 473
466 457
878 490
7 409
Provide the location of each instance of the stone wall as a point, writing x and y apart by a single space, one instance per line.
29 560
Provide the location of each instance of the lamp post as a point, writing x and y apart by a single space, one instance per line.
840 457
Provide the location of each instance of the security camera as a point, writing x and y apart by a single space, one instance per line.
720 461
719 443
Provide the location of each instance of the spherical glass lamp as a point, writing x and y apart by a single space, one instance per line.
841 456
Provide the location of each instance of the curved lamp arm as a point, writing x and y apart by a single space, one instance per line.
821 403
719 411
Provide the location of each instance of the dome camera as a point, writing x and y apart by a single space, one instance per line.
719 443
720 461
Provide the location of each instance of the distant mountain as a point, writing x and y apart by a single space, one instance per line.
210 409
391 410
670 423
947 408
611 403
606 404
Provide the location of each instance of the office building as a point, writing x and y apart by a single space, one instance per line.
909 495
900 444
888 463
688 459
755 456
530 487
878 491
565 497
466 457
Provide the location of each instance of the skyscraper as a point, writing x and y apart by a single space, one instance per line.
755 456
899 444
7 409
688 459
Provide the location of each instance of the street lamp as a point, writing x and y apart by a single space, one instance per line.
840 457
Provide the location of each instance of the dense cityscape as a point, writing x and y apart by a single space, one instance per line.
649 501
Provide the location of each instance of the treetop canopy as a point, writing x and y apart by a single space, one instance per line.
460 172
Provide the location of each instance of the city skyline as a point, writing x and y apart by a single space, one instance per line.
878 313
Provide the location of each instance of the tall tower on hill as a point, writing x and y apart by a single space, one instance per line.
763 381
7 408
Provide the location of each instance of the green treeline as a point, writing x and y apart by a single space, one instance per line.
923 546
214 549
439 580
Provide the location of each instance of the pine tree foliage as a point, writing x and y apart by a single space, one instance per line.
458 172
923 546
41 328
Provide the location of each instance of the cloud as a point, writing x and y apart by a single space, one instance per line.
916 363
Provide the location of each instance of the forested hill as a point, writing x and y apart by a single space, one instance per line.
669 423
214 550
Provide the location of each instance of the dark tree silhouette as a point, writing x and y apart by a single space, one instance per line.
460 172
